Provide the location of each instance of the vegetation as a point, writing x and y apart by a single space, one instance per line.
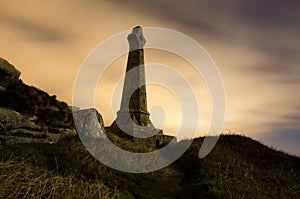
22 180
31 101
238 167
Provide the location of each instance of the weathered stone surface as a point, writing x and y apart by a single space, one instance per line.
28 114
134 98
9 69
17 128
10 120
8 74
133 116
89 123
136 39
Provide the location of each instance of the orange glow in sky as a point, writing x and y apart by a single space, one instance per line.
255 46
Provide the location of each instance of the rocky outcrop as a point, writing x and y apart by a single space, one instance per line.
10 120
8 74
28 114
18 128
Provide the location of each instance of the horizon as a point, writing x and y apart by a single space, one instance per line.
255 46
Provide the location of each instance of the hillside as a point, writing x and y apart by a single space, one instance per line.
28 114
42 157
238 167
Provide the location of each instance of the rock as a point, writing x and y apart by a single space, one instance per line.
28 114
10 120
17 128
27 133
8 74
89 123
8 69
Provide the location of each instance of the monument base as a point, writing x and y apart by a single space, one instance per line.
131 130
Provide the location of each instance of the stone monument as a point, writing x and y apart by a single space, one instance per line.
133 117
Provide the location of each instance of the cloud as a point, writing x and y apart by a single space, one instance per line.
285 139
254 43
274 13
285 133
269 28
33 31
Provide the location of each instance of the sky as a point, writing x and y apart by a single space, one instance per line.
254 43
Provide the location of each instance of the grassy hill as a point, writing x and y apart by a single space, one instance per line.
238 167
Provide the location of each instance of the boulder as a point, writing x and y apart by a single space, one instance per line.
89 123
9 69
8 74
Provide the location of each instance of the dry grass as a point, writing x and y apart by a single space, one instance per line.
18 179
237 167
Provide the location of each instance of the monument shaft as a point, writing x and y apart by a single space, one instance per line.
135 78
133 116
